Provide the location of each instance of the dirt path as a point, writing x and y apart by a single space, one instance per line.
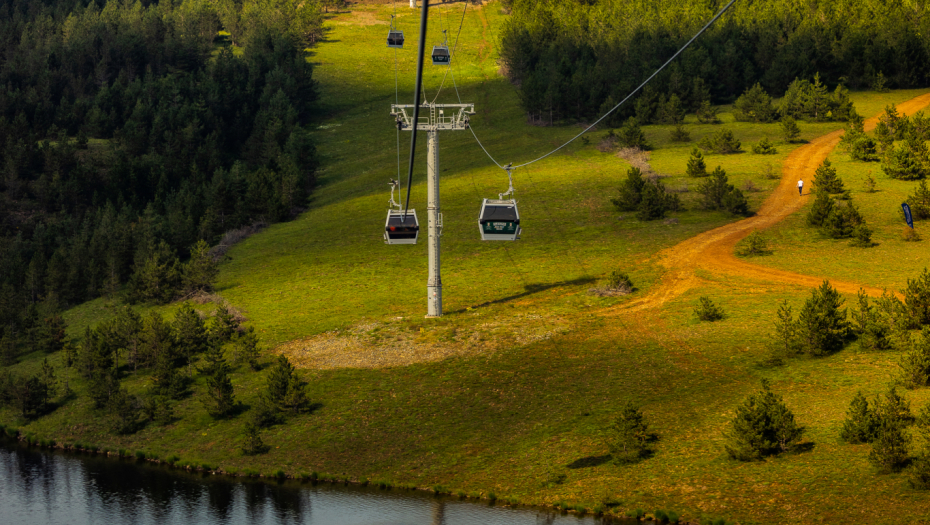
713 250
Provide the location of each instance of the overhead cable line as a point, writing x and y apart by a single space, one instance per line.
452 54
641 86
416 101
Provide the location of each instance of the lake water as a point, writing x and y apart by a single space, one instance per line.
51 488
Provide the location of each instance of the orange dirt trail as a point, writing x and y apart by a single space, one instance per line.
712 251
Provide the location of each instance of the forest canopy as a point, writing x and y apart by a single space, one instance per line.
129 131
576 59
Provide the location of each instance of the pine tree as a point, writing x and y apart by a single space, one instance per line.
284 388
790 129
816 100
201 271
157 276
246 348
632 136
825 178
630 191
891 445
763 426
629 437
754 105
861 425
786 336
220 400
917 299
821 209
191 334
920 201
224 325
253 440
873 333
764 147
696 165
822 325
915 365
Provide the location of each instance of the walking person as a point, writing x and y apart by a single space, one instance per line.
800 187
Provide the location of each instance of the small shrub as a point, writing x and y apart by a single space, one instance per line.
789 129
279 474
707 114
862 237
680 135
919 471
673 517
661 516
753 245
763 426
754 105
723 142
140 455
764 147
253 444
620 282
608 143
769 172
629 437
706 310
879 83
910 235
632 136
861 425
492 497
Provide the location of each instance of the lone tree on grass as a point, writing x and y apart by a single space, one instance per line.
285 393
790 129
696 166
763 426
629 437
706 310
861 425
891 445
822 324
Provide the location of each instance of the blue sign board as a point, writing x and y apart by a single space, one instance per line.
907 215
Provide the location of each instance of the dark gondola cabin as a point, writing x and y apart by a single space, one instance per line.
441 56
396 39
499 220
398 230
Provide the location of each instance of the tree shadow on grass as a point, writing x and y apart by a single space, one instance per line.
590 461
530 289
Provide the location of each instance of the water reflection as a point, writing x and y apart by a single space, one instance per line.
38 487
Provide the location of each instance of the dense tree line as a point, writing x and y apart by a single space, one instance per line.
129 131
575 59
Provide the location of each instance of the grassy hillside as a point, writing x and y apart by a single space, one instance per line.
510 393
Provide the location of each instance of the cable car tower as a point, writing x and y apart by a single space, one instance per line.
436 120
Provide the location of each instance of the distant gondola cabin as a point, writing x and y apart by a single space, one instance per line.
441 56
499 220
396 39
400 230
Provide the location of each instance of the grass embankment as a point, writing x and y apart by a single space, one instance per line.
539 374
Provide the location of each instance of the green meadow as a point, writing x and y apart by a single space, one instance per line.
525 419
